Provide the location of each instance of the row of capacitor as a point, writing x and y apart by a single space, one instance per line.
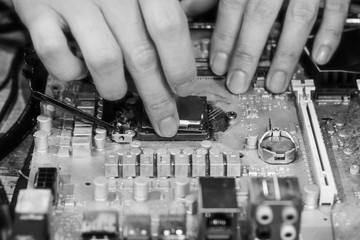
175 162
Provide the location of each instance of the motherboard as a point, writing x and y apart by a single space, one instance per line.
251 166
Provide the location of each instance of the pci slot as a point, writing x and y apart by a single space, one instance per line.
316 146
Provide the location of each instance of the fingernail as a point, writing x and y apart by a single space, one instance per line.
323 54
236 82
277 83
185 89
168 126
219 63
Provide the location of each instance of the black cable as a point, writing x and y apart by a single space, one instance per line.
10 28
22 181
3 195
5 214
20 130
14 90
15 66
27 120
5 82
12 21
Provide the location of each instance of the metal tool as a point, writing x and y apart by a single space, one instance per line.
76 112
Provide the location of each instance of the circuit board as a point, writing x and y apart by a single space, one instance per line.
252 166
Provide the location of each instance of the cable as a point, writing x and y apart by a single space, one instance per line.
12 24
5 82
22 181
27 120
14 90
10 27
3 195
15 66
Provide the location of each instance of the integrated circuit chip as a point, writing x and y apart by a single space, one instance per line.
193 118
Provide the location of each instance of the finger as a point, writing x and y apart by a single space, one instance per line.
99 48
196 7
51 45
300 17
329 34
142 62
258 20
167 26
226 32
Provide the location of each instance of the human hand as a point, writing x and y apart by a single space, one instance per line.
242 30
152 37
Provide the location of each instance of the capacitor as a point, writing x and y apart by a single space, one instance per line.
121 153
199 165
251 140
343 133
354 169
188 151
163 163
47 109
311 194
205 42
136 152
141 189
161 152
41 141
348 151
44 123
174 154
191 204
147 161
206 144
100 131
99 142
182 187
201 152
214 152
174 151
149 152
135 144
130 133
101 188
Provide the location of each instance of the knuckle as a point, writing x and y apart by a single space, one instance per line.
47 47
160 104
169 25
104 59
288 55
334 33
337 6
246 58
304 12
143 58
262 9
225 36
231 4
180 75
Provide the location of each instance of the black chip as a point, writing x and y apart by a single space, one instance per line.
218 193
194 123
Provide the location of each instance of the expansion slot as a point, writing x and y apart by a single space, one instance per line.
316 146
